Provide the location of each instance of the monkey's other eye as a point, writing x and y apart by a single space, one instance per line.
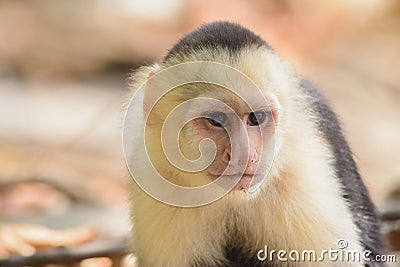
218 119
256 118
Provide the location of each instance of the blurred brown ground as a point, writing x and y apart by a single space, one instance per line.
63 70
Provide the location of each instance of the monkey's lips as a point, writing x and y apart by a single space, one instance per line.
244 180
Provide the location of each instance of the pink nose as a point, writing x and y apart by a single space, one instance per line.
253 157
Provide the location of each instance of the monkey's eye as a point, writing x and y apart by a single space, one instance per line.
218 119
256 118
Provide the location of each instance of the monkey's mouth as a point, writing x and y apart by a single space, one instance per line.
234 176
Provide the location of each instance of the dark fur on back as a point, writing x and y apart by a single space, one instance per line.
215 36
354 190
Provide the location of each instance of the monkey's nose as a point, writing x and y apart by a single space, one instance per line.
253 157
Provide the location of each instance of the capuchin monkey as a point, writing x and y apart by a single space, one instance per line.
274 210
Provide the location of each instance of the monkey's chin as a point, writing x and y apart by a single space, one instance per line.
246 181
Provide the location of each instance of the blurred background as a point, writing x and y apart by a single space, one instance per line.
63 71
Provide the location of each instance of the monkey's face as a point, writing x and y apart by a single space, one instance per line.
202 133
242 137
